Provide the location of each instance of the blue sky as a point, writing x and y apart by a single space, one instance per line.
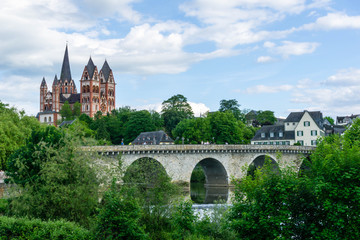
284 55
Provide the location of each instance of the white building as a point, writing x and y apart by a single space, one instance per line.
299 127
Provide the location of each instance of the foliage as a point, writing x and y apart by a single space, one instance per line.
197 130
198 174
15 128
174 110
232 105
76 112
23 228
352 135
330 119
183 219
139 121
66 111
321 203
265 117
119 217
55 181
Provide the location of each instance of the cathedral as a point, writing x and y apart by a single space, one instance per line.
97 92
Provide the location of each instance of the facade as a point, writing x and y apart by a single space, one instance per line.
153 138
346 120
97 92
299 127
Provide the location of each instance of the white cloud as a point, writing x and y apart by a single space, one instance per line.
294 48
337 20
268 89
345 77
264 59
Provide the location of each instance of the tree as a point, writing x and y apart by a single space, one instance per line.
265 117
174 110
76 112
139 122
195 130
15 128
352 134
56 180
233 106
330 119
66 112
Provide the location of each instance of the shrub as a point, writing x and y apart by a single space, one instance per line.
23 228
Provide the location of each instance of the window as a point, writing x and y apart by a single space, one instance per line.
271 134
66 90
271 143
277 143
45 119
301 142
49 119
262 135
313 142
306 124
313 133
281 134
300 133
288 124
293 124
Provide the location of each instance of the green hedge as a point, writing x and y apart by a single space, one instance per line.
23 228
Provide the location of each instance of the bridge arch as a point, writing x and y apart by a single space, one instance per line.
215 172
260 160
144 170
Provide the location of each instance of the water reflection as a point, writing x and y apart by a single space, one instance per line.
208 195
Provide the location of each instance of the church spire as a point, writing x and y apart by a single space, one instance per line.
65 69
43 82
55 82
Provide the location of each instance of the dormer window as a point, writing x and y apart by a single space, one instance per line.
281 134
271 134
263 135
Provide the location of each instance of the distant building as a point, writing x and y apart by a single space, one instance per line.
153 138
346 120
299 127
97 91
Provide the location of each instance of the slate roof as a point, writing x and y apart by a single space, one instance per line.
43 82
287 135
106 70
65 69
73 98
152 138
67 123
56 81
296 117
91 68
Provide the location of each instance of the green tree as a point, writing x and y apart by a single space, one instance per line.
15 128
265 117
233 106
352 134
76 112
330 119
174 110
197 130
139 122
56 181
66 112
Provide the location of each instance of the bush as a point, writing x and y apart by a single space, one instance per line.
22 228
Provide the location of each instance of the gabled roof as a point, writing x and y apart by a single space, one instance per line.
73 98
287 135
296 117
91 68
67 123
156 137
106 70
65 69
43 82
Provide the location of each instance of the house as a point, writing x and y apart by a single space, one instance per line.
153 138
299 127
346 120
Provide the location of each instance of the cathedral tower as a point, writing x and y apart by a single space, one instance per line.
43 92
107 92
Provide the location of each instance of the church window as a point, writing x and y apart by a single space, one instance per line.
87 107
66 90
60 90
70 90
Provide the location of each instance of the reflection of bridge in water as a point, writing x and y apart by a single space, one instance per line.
220 162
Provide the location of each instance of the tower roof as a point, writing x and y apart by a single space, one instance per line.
55 82
43 82
65 69
106 70
91 68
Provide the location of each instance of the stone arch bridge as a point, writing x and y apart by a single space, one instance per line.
220 162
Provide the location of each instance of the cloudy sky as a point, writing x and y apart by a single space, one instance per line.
283 55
